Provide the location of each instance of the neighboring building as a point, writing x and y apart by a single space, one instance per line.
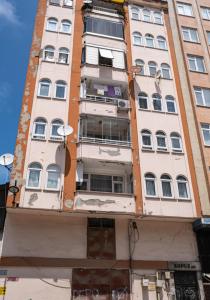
193 20
107 212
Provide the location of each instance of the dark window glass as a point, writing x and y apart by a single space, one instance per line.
103 27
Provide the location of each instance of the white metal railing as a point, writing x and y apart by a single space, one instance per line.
103 99
104 141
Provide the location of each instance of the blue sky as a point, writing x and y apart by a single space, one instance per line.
16 27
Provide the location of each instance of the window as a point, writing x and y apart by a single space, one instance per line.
54 130
184 9
103 27
152 68
158 19
146 137
49 52
208 36
196 63
206 133
34 174
135 13
190 34
165 70
182 185
66 26
63 57
68 3
166 186
39 129
202 96
143 98
44 88
170 104
54 2
53 177
157 102
149 39
205 13
176 142
161 41
137 38
140 63
105 57
150 185
146 15
60 90
106 183
52 24
161 140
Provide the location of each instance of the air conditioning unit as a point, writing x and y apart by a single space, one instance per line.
123 105
87 1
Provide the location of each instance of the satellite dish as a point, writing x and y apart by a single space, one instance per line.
65 130
6 159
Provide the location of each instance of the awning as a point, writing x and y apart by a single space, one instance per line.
106 53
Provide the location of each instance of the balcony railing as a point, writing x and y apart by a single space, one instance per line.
104 141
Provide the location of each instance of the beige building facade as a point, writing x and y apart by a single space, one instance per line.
106 211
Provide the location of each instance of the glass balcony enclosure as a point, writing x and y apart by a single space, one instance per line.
105 130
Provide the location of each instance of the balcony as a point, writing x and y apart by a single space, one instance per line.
106 139
105 187
104 99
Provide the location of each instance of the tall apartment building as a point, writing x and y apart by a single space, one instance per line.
108 211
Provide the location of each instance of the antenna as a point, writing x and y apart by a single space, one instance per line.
65 131
6 159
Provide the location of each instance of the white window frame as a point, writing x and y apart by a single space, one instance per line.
137 35
146 134
146 98
161 134
28 175
65 22
184 12
178 137
154 66
136 13
193 58
207 12
187 187
208 36
56 137
55 21
169 180
61 51
57 84
150 38
49 49
147 15
189 32
207 130
172 101
141 64
161 39
160 18
68 3
45 82
165 67
154 98
154 180
58 172
201 91
39 136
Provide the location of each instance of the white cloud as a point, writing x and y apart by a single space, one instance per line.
8 12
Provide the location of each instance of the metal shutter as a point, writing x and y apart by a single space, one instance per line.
91 55
119 60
